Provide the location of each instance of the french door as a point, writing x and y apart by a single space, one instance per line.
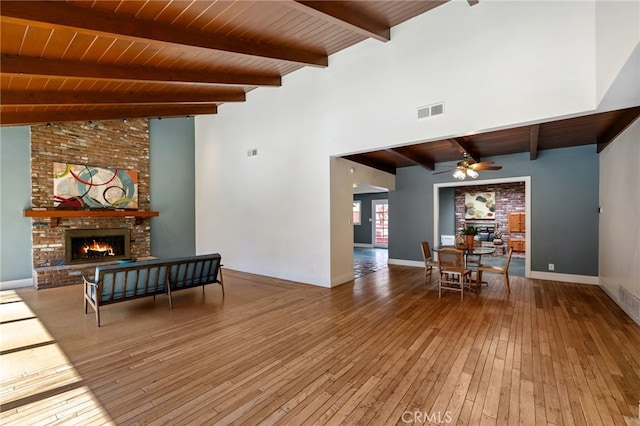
380 227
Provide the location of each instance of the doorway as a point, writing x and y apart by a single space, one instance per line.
380 228
527 202
370 230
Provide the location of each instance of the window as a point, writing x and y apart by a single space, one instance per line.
357 212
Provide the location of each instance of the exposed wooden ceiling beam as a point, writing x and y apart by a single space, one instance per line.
34 117
464 146
617 128
339 13
63 15
368 161
22 65
52 98
534 132
412 157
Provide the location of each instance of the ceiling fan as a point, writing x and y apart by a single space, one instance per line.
466 168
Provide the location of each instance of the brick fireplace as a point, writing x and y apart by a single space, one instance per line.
112 144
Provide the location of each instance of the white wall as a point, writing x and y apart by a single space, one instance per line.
617 48
619 247
496 64
267 214
344 174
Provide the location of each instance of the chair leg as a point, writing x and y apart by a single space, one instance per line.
221 281
476 284
428 272
479 278
507 287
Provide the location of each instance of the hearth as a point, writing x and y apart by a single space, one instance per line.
96 245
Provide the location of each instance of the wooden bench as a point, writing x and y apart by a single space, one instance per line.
118 283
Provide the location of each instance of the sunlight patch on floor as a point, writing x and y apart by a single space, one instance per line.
38 384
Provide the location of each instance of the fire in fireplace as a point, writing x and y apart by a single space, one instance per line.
97 249
96 245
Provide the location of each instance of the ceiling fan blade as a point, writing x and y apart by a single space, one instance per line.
481 164
488 168
443 171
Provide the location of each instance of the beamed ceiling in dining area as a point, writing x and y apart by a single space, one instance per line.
594 129
81 60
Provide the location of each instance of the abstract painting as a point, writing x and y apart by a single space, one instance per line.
82 186
480 205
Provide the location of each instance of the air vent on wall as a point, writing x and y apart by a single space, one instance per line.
430 110
252 152
630 303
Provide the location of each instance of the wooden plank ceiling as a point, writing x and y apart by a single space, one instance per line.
89 60
81 60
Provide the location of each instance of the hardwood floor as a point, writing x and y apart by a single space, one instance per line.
381 350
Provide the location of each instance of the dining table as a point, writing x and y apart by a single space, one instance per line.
475 251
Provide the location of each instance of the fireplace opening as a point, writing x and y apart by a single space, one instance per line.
96 245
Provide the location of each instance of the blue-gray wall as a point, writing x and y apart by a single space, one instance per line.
15 196
363 233
564 208
172 186
447 217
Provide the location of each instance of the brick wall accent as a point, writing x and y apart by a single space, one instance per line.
110 143
509 198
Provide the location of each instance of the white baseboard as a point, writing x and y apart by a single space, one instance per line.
10 285
567 278
363 245
551 276
402 262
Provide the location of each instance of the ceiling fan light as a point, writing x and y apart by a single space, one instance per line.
472 173
459 174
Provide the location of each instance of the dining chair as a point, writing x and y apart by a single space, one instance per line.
453 273
504 270
429 263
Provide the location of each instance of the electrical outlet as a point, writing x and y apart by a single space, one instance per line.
552 267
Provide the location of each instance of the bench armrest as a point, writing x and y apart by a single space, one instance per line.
88 285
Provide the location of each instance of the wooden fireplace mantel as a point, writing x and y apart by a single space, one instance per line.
55 214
